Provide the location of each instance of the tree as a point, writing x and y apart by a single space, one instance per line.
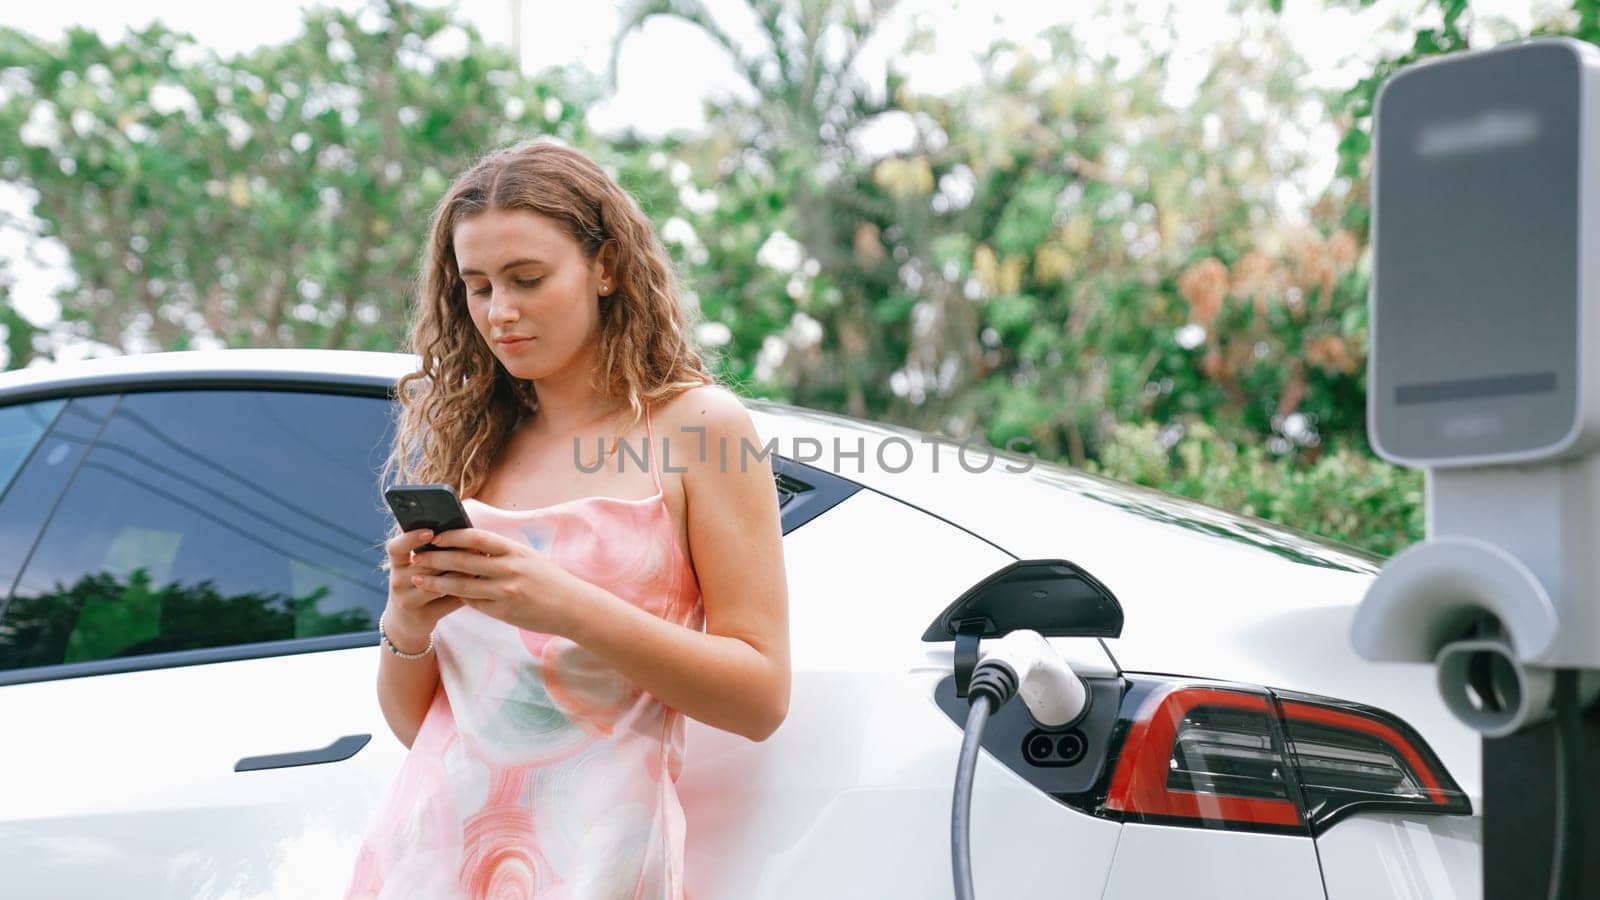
20 334
1097 254
791 166
277 198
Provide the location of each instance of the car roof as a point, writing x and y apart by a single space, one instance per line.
354 368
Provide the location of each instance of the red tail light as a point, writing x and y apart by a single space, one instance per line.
1232 757
1350 757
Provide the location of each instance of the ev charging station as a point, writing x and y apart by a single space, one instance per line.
1484 371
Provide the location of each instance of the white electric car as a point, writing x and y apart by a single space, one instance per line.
189 584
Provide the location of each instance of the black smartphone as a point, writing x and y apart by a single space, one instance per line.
431 506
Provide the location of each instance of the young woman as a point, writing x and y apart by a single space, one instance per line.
539 664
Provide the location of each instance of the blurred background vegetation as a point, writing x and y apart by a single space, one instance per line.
1056 254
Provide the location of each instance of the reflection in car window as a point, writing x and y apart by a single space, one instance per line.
208 519
31 496
20 428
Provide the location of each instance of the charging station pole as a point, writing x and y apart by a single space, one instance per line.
1484 371
1519 812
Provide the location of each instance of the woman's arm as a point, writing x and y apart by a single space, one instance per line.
736 675
406 686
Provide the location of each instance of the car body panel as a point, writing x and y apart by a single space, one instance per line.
1403 857
134 784
1211 605
856 784
1154 861
851 797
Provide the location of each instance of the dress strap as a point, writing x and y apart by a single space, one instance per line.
652 453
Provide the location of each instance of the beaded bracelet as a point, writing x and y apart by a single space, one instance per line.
383 638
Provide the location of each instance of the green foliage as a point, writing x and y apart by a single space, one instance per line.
1346 495
788 164
1356 104
21 336
1056 253
271 199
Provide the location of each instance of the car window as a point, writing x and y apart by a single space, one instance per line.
31 496
203 519
21 427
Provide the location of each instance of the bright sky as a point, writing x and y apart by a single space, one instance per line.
668 69
1337 43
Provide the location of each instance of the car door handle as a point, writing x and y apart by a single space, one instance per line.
342 749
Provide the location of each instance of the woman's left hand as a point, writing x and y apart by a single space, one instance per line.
505 579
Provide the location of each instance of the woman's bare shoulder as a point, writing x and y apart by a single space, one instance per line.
712 424
707 401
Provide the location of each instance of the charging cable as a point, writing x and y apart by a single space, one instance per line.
1565 868
1021 662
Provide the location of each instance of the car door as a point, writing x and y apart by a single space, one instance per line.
189 586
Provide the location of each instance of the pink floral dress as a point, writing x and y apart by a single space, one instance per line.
539 771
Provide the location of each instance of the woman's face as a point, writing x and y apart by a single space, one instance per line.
526 279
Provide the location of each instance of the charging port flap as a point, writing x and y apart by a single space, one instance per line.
1051 596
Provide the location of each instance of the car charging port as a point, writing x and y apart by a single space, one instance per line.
1022 662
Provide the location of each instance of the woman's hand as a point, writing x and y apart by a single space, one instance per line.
413 611
502 578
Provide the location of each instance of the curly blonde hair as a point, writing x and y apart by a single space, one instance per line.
459 409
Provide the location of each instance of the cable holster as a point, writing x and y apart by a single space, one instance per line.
968 633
